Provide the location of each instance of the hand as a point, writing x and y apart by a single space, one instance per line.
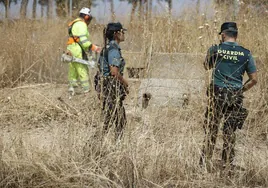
95 48
98 50
69 53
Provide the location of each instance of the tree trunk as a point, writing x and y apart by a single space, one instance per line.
150 9
134 6
71 8
140 9
198 7
23 8
34 9
112 10
150 6
62 8
146 3
169 6
50 9
7 8
42 11
66 7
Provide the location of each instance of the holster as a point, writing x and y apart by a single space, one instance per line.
114 87
241 117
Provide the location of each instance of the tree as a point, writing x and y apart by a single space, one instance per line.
112 10
49 8
6 5
23 8
138 4
169 2
62 9
169 6
43 3
34 9
134 6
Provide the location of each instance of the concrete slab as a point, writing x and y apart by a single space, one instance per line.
171 92
174 79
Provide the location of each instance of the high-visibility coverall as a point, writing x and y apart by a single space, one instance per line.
78 38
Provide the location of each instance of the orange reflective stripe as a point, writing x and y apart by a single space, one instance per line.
71 40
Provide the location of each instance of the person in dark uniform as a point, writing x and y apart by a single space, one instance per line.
228 61
109 81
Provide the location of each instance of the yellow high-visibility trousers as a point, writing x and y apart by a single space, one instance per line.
78 74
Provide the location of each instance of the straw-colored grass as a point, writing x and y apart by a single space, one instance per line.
49 141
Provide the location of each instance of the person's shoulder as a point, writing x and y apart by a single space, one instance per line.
112 50
80 22
244 48
113 46
213 48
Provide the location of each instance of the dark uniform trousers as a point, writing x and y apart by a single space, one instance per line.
113 109
223 104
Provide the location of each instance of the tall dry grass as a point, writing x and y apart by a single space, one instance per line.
47 142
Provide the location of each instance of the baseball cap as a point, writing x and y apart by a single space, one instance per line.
228 26
115 27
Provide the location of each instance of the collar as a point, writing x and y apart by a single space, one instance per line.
231 43
115 43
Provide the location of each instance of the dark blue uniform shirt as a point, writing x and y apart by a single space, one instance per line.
230 62
112 57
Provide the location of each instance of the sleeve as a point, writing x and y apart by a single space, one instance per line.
251 65
211 57
114 58
80 30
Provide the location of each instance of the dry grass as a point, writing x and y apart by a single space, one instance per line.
49 141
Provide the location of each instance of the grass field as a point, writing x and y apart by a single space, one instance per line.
50 141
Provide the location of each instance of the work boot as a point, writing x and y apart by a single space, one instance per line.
71 91
86 91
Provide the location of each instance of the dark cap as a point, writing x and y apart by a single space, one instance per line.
228 26
115 27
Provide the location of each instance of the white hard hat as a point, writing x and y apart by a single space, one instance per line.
85 11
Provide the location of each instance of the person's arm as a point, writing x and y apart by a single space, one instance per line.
251 81
206 62
95 48
80 29
116 73
210 58
114 59
252 74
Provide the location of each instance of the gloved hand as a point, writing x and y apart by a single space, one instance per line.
69 53
98 50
